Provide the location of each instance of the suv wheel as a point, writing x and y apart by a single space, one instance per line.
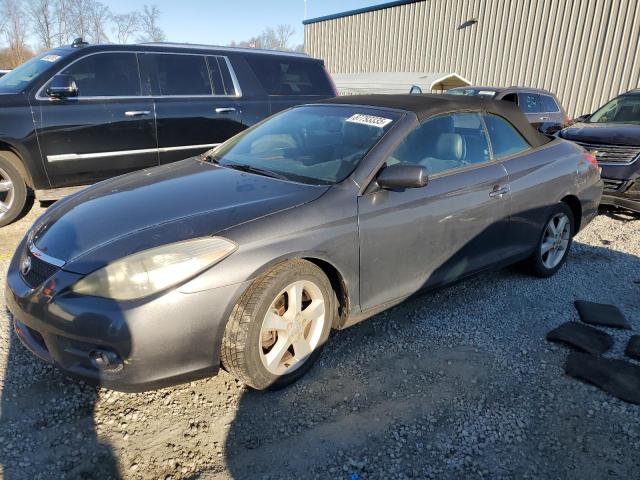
279 326
13 191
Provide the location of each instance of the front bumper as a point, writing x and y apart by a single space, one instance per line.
622 186
168 339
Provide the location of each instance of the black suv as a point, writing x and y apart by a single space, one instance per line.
612 134
541 107
75 115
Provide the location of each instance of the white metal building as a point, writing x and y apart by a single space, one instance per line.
585 51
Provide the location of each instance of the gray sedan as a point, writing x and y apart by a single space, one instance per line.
319 217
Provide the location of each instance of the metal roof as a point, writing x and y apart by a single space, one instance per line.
348 13
396 82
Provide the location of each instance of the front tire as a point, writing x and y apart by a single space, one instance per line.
13 190
555 242
279 326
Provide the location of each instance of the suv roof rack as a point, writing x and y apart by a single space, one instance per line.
229 49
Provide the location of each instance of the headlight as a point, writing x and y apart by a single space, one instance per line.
151 271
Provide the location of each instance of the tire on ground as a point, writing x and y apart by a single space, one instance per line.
535 263
20 192
240 354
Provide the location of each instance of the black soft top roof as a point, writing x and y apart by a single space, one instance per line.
429 105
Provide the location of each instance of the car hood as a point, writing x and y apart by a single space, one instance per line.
605 133
161 205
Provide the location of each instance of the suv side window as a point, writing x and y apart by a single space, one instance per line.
290 76
445 143
220 76
529 102
505 139
106 75
181 74
548 104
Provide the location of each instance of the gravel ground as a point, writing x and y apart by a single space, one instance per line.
454 384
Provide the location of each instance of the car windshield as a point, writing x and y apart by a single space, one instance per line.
472 92
625 109
316 144
16 80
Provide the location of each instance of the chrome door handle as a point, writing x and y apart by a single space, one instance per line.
499 192
225 110
544 118
137 113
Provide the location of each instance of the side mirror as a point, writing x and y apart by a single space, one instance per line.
402 175
581 118
62 86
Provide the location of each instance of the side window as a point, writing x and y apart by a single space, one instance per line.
229 87
290 76
505 139
548 104
216 76
445 143
106 75
181 74
529 102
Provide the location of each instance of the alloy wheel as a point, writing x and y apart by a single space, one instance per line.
7 195
555 240
292 327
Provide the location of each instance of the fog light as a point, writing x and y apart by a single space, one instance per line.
105 360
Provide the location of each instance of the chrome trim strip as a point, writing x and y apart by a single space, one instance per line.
36 252
85 156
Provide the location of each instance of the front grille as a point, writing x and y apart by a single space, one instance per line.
40 271
612 185
612 153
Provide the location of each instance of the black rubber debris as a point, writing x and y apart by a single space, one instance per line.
582 337
617 377
633 348
601 314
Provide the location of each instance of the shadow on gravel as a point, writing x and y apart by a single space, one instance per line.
417 393
47 427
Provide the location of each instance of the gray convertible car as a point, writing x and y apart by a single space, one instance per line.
319 217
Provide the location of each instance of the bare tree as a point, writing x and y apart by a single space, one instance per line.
43 22
64 22
151 31
283 34
15 31
125 26
99 17
273 39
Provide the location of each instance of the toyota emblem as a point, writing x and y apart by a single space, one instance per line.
25 266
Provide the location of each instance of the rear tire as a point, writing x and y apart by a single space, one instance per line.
13 190
279 326
554 243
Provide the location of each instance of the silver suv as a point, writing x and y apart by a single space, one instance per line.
541 107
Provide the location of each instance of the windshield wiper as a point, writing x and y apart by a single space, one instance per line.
251 169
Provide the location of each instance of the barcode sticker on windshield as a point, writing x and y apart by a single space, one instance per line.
370 120
50 58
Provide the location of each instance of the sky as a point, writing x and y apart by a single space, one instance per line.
218 22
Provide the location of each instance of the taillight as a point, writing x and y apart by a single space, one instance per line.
591 158
333 84
567 120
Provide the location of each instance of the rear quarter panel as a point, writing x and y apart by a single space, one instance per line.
542 178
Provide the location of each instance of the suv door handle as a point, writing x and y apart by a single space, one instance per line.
544 118
225 110
137 113
499 191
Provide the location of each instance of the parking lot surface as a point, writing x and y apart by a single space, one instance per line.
458 383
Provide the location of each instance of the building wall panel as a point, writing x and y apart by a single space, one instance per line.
585 51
